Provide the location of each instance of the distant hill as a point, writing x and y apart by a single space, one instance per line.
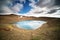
14 18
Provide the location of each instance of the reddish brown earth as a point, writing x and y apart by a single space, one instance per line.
49 31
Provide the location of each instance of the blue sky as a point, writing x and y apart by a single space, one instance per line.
43 8
26 7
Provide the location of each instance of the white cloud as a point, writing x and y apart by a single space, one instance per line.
16 8
6 11
22 1
43 12
37 10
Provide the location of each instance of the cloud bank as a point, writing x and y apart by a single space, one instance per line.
41 8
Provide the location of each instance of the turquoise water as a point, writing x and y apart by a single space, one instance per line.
30 24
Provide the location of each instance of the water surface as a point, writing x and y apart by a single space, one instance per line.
30 24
